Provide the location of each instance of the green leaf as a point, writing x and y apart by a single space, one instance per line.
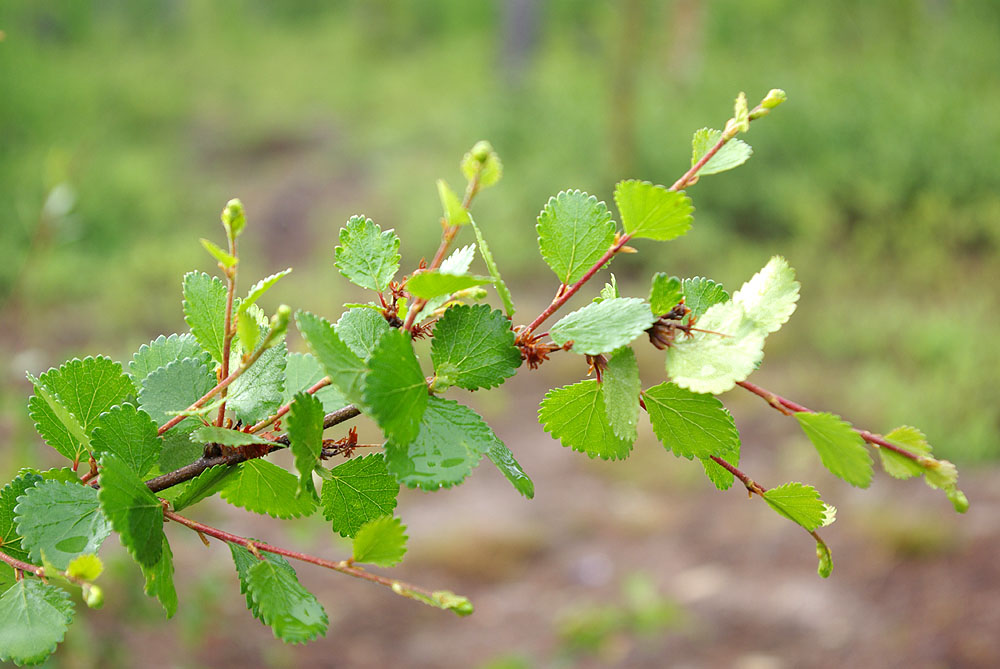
690 424
741 113
263 487
280 602
10 540
665 293
258 289
429 284
206 484
59 521
459 261
86 567
357 491
899 466
161 352
454 212
620 387
303 371
160 580
482 159
700 294
498 283
574 231
719 475
825 567
733 153
34 617
604 326
653 212
576 416
799 503
610 290
504 460
841 449
451 441
439 599
473 347
713 360
58 427
305 437
209 434
361 329
367 256
174 388
135 512
257 392
396 390
130 434
381 541
224 258
769 297
205 311
345 369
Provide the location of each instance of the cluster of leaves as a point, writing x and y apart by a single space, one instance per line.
192 415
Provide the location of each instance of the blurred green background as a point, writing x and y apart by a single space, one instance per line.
125 126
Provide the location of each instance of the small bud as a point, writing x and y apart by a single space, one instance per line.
958 499
758 112
481 151
233 218
774 97
93 596
279 323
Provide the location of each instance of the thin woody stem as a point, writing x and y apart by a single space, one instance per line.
322 383
227 336
788 407
36 570
342 566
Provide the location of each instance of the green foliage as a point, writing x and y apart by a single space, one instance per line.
653 212
345 369
899 466
601 327
206 484
205 311
381 542
10 539
574 231
209 434
160 580
305 438
129 434
361 329
504 460
367 256
769 297
433 283
266 488
134 512
700 293
59 521
690 424
665 293
34 617
491 265
303 371
454 212
482 164
798 503
174 388
161 352
577 417
841 449
733 154
620 388
474 348
358 491
396 390
258 392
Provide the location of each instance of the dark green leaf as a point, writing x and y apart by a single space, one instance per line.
653 212
34 617
210 434
701 293
10 540
133 510
690 424
473 347
664 293
367 256
263 487
174 388
281 603
257 393
130 434
161 352
841 449
361 329
504 460
206 484
357 491
574 231
160 580
305 436
620 389
601 327
205 311
303 371
59 521
396 390
576 416
381 541
345 369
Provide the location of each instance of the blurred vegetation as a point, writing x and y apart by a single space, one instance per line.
125 126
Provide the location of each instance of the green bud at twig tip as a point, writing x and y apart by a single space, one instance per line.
481 150
233 218
774 97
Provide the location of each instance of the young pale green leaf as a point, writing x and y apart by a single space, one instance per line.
576 416
174 388
482 161
473 347
621 387
451 441
741 113
498 283
206 484
432 283
690 424
825 567
303 371
396 390
224 257
305 437
454 212
361 329
799 503
841 449
381 541
59 521
600 327
439 599
130 434
653 212
726 350
459 261
161 352
205 311
10 540
610 290
574 231
258 391
367 256
258 289
135 512
86 567
733 153
345 369
700 294
281 603
899 466
210 434
34 617
357 491
266 488
769 297
160 580
665 293
504 460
